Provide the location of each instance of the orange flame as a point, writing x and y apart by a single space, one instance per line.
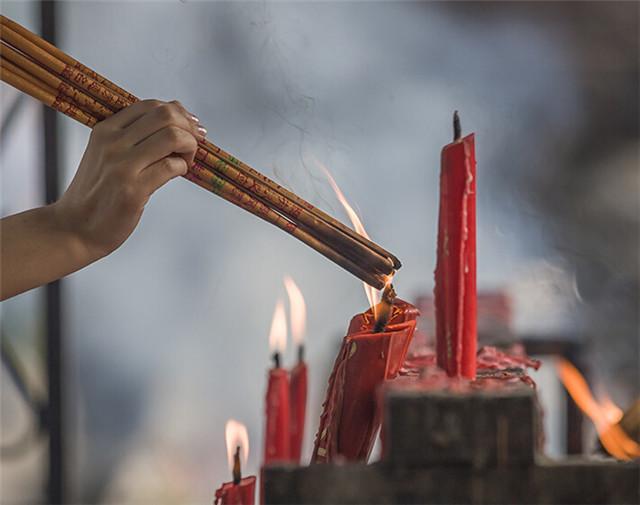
604 415
278 333
235 434
612 412
372 295
297 309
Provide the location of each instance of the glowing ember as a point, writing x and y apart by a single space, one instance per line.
278 333
235 434
298 310
372 295
604 414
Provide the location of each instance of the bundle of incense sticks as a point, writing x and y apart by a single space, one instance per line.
37 68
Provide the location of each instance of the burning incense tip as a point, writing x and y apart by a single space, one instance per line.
457 129
384 309
237 473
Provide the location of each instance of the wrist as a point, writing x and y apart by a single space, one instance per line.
69 228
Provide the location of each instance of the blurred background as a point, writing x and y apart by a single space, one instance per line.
166 339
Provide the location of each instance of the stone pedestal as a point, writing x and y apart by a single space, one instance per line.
468 446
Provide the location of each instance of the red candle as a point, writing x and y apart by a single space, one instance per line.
350 418
298 407
455 275
241 491
298 376
276 436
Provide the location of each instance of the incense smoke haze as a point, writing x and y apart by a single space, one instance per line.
168 337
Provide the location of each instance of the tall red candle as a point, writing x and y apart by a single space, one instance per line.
298 376
276 435
241 491
455 275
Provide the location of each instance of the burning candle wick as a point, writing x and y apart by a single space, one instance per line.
457 128
384 309
237 473
276 359
300 353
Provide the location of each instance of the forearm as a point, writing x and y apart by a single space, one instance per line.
36 248
129 156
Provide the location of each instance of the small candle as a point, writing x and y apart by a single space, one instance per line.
455 275
277 435
240 491
298 376
298 406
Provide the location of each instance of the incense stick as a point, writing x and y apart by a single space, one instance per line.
115 96
197 174
61 55
217 168
314 210
64 57
31 87
260 185
82 99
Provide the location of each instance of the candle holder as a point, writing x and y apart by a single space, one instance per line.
452 440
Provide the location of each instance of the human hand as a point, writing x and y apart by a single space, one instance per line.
129 156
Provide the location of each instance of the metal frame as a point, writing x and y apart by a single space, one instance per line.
572 350
56 481
49 416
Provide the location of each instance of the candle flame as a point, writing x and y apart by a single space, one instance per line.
604 414
372 294
235 434
278 333
297 309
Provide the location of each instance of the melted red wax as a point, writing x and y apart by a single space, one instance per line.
401 313
350 417
493 365
240 494
493 358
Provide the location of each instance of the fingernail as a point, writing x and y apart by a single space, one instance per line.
195 118
202 130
